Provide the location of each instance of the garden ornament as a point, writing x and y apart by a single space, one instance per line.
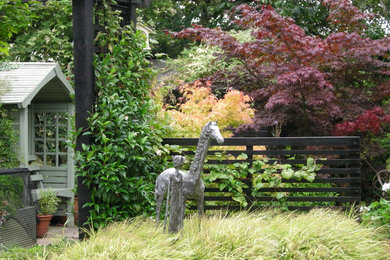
192 186
175 189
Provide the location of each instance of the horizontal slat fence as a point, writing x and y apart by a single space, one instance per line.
337 183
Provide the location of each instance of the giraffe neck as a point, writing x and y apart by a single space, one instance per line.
201 152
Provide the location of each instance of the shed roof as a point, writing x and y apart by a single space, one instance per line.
23 81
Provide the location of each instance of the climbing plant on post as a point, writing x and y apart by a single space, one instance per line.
119 165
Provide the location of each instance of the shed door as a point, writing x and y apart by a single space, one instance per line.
50 130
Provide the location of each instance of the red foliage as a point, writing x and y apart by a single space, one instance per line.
372 121
346 16
305 83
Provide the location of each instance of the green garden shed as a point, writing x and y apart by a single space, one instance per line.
39 98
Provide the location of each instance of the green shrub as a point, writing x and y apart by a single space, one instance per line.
48 202
11 187
377 213
8 140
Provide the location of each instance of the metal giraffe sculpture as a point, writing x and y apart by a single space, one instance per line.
193 186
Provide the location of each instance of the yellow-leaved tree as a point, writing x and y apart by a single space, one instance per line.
200 106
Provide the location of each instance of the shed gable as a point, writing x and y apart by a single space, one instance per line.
34 80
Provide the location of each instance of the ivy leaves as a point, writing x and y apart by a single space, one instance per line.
229 177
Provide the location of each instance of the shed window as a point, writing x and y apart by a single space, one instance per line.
50 133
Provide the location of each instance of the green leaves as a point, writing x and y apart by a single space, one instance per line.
46 35
15 17
287 173
378 213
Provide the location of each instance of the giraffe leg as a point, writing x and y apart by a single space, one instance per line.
201 205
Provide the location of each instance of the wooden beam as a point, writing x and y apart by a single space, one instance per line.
23 135
83 33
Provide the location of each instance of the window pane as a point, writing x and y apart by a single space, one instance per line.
51 118
51 160
63 118
62 147
51 132
62 160
39 131
63 132
39 160
51 146
39 118
39 146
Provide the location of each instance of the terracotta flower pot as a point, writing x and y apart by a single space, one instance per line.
43 225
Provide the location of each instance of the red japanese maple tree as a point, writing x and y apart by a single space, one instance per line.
304 83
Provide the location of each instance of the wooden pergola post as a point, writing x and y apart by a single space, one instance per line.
83 33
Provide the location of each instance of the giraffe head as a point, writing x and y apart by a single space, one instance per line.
213 131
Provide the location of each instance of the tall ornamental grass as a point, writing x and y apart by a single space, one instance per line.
319 234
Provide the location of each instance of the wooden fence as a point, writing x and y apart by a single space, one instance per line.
337 183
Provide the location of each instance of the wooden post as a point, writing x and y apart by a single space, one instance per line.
132 15
23 135
248 193
84 88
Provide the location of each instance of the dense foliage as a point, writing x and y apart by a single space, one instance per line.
311 15
304 83
199 61
11 187
373 120
121 164
8 137
48 37
15 17
170 15
377 214
8 141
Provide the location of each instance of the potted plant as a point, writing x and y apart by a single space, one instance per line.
48 204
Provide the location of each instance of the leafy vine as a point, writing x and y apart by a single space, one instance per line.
235 177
